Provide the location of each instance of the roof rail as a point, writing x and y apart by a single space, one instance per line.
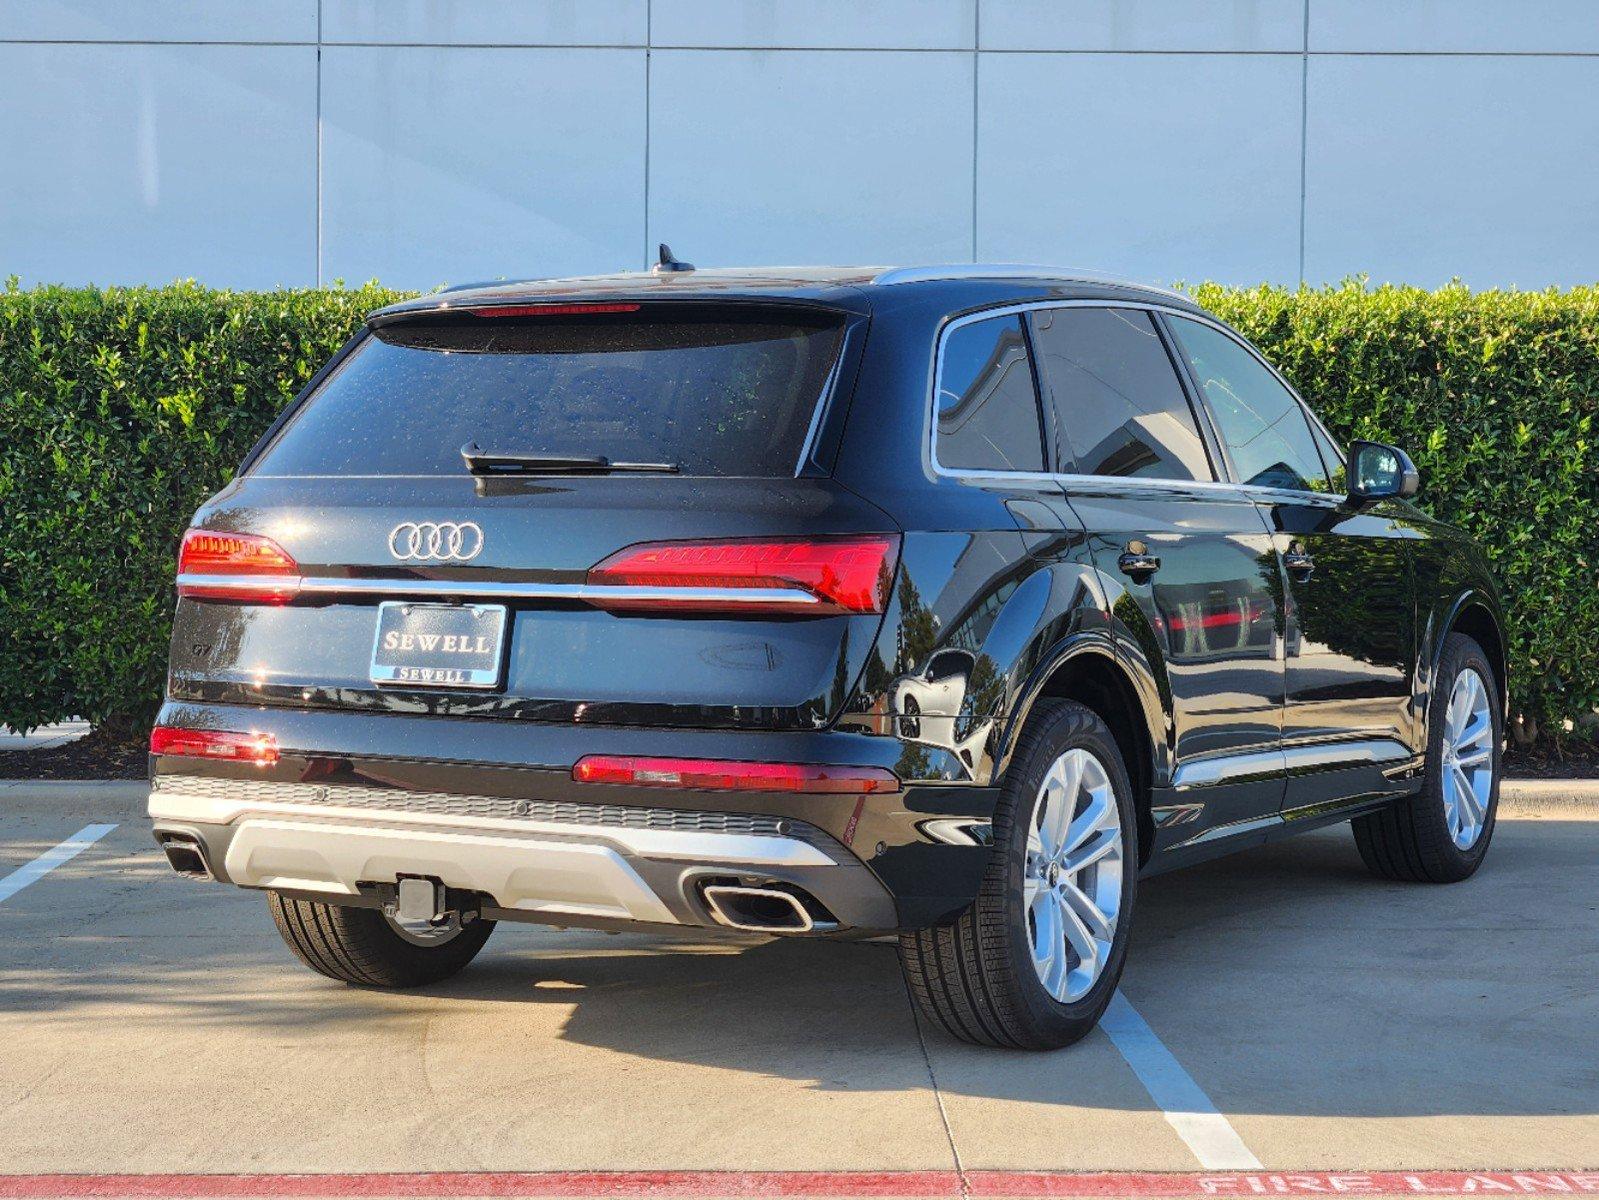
1011 271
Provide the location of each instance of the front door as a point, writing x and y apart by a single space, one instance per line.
1350 628
1187 564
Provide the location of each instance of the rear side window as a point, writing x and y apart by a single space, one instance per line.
715 391
1266 432
1119 407
987 405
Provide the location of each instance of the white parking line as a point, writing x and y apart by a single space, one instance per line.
1183 1102
51 859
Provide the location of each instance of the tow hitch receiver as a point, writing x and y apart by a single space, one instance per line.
419 899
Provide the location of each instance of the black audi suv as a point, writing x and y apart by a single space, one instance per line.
942 603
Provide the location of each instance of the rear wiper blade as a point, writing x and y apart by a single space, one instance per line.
507 462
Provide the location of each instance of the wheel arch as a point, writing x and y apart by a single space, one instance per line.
1474 620
1088 670
1475 614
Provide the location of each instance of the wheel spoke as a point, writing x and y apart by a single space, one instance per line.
1087 854
1101 805
1083 941
1471 806
1476 757
1049 945
1456 714
1056 817
1090 914
1477 733
1452 814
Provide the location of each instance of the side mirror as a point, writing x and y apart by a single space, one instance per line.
1376 472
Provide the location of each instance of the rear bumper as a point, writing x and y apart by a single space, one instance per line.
535 861
907 845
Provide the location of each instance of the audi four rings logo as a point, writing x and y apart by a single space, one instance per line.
422 540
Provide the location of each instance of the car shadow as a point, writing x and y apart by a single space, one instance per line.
1285 979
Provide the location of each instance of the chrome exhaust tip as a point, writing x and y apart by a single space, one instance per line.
757 909
185 855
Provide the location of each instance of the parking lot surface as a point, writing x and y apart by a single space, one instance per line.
1303 1016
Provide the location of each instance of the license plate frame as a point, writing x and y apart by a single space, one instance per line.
477 667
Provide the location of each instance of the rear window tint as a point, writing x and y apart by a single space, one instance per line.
715 391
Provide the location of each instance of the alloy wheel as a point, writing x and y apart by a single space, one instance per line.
1468 758
1072 877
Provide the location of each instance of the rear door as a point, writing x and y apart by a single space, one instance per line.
1012 529
1189 566
1351 621
758 612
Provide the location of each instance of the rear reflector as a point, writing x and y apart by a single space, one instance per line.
812 575
236 566
714 775
552 310
258 748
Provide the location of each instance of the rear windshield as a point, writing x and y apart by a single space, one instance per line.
715 391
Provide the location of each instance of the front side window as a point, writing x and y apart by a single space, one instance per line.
987 405
1266 432
1331 457
1119 407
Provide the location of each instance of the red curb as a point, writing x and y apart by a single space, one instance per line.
691 1184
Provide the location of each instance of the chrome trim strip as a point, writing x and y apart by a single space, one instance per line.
1345 754
1231 829
1247 491
1166 815
171 802
499 589
1287 760
1229 768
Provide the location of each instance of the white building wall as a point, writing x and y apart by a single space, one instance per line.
250 143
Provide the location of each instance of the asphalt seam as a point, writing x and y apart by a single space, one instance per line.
938 1094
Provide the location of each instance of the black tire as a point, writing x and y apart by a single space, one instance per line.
1410 841
974 975
359 946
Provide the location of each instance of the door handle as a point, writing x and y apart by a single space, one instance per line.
1138 563
1299 563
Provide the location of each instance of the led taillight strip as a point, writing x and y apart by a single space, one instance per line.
706 774
852 573
799 576
245 567
245 587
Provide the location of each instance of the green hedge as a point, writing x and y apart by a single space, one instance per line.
120 410
1494 394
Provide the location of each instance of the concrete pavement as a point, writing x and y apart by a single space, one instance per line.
148 1023
58 734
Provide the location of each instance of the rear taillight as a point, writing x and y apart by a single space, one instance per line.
715 775
258 748
789 575
236 566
